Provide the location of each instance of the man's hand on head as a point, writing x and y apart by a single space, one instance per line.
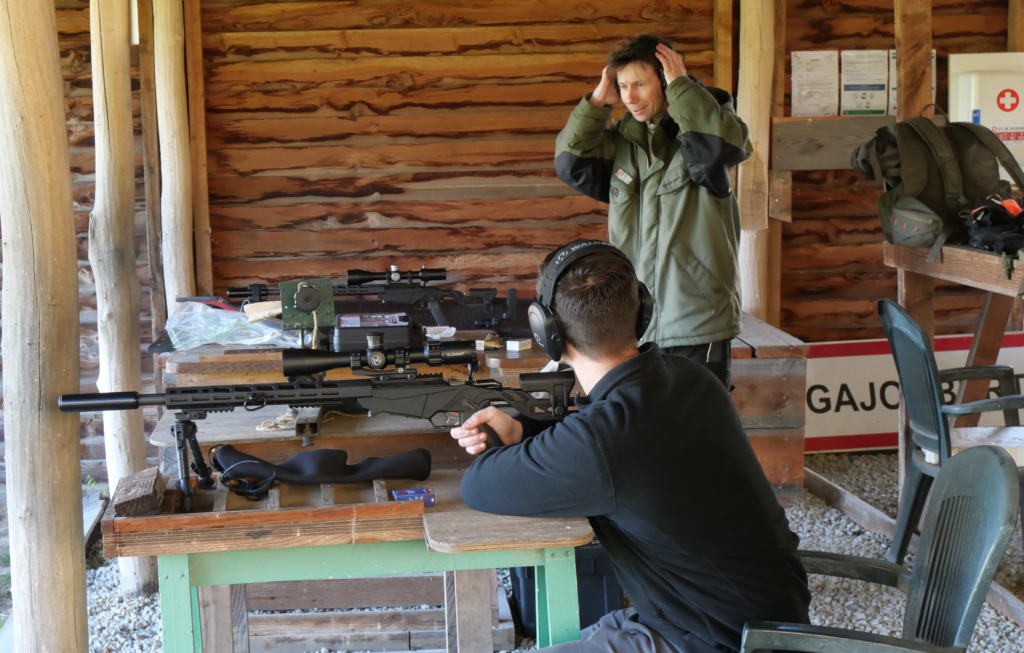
605 95
671 63
474 440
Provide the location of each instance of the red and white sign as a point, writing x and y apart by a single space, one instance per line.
1008 99
1011 135
852 397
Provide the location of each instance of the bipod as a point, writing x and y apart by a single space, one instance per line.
184 431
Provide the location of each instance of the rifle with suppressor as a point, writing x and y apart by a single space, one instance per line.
393 286
400 390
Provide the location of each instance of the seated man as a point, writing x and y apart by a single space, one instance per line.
657 460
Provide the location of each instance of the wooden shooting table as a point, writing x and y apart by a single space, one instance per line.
978 269
349 531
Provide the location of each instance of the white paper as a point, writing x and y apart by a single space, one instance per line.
894 86
816 83
865 82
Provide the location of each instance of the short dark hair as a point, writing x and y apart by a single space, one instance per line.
597 301
641 48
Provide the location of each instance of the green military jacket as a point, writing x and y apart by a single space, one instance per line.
671 208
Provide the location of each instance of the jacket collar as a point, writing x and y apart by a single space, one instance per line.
650 355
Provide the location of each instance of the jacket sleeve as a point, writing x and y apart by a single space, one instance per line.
561 472
585 149
714 139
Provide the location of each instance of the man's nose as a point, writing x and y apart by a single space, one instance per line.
629 96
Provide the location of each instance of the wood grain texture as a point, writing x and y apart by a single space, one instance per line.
696 35
913 56
723 25
385 14
345 593
466 532
1014 26
197 145
112 258
821 143
40 337
151 164
176 178
781 454
988 339
754 101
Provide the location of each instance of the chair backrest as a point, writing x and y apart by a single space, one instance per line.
919 378
972 514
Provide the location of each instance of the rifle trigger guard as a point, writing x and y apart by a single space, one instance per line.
254 401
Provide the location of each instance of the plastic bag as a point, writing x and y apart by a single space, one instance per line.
195 324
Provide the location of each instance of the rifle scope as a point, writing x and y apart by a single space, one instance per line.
360 277
302 362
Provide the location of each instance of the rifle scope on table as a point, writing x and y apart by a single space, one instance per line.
302 362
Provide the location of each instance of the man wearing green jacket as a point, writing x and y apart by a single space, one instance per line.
664 170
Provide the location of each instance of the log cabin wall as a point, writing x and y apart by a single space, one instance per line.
832 270
417 132
75 55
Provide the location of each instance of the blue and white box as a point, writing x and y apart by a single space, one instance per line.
424 494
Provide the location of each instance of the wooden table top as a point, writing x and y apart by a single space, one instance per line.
450 527
960 264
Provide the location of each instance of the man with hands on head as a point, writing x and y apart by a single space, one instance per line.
664 170
655 458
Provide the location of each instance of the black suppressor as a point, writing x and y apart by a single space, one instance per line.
88 403
303 362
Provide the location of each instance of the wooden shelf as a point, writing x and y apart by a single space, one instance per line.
964 265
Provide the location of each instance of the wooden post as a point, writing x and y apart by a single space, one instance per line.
913 69
175 150
197 141
785 178
151 168
723 45
112 257
40 338
754 105
1014 28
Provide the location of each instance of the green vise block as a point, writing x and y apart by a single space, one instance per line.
296 318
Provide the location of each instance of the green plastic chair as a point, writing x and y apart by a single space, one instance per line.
921 383
972 514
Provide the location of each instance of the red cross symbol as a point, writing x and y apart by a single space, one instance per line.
1008 99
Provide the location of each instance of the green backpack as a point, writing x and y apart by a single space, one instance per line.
931 170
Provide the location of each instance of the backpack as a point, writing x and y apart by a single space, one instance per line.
931 172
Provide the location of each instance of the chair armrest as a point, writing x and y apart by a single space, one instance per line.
773 636
855 568
1013 402
998 372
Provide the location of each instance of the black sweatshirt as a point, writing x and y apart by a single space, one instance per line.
657 460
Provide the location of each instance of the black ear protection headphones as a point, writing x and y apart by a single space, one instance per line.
545 326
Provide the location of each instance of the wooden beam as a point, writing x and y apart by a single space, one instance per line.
754 104
723 45
821 143
175 151
40 343
780 183
112 257
913 56
467 598
197 138
151 169
1014 27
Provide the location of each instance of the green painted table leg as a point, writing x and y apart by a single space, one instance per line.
562 602
197 622
178 605
541 601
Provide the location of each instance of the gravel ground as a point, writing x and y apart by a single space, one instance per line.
873 477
